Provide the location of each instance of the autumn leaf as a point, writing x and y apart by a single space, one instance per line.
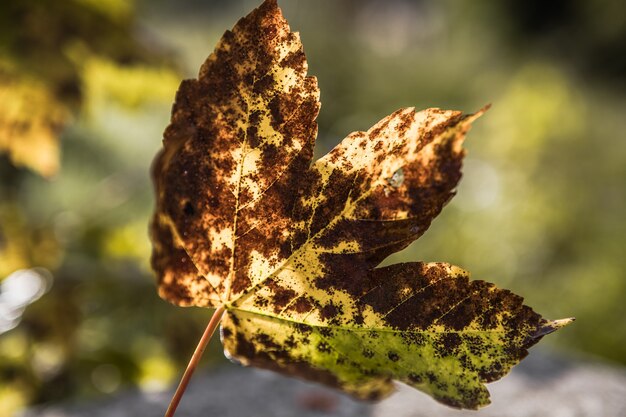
289 248
30 121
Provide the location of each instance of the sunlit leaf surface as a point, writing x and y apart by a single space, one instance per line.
290 247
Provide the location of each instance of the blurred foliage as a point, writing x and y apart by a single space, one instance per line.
24 245
30 119
47 53
540 209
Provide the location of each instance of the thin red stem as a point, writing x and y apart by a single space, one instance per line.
195 359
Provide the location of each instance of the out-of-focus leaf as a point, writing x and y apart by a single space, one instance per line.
290 249
24 246
49 54
123 243
12 399
30 121
105 81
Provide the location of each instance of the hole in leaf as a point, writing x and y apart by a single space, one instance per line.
188 209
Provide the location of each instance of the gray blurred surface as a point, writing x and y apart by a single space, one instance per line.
544 385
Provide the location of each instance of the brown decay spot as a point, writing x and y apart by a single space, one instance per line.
441 386
244 348
324 347
471 396
414 338
406 121
301 305
415 378
325 331
493 373
295 60
265 83
226 332
466 363
475 345
382 125
452 402
336 192
448 344
260 301
267 342
437 130
291 343
293 367
330 311
281 295
302 328
432 378
235 320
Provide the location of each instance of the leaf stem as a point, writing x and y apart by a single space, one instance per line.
195 359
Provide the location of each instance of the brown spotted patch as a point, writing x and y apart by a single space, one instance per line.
289 247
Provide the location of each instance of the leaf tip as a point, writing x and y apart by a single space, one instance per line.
484 109
470 118
557 324
551 326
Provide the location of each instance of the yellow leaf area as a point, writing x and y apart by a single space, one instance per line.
30 121
129 86
290 247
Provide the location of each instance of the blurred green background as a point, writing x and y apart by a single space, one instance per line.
85 92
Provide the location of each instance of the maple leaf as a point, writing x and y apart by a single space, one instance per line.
289 249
